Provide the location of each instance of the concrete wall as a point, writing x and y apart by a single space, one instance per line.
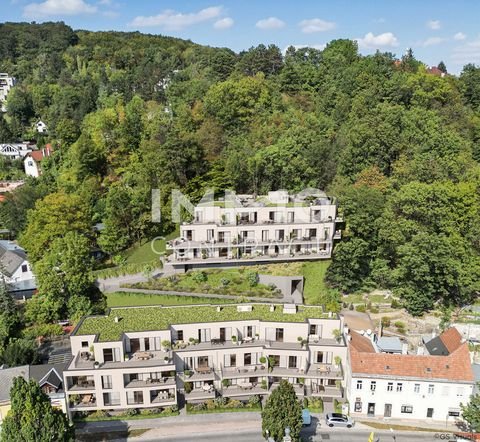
283 283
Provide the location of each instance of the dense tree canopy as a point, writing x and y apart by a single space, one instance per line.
128 113
32 416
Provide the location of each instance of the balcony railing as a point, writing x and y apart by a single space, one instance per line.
82 385
150 382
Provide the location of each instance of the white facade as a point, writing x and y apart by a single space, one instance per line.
15 150
6 83
41 127
235 359
16 268
404 398
31 166
244 228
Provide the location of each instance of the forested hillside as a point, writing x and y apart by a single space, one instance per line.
129 112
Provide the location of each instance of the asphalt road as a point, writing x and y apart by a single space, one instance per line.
335 435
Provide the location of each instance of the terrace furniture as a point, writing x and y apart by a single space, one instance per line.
204 370
207 387
323 369
245 385
143 355
248 339
87 399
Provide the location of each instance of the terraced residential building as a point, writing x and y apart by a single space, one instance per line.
145 357
242 229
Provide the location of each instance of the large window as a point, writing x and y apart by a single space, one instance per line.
112 398
107 382
359 385
416 388
399 387
406 409
373 385
134 397
279 334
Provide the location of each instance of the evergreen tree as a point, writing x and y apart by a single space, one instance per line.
32 417
282 410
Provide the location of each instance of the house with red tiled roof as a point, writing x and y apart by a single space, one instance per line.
33 160
428 386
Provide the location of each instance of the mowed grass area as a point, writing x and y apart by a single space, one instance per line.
149 250
314 285
124 299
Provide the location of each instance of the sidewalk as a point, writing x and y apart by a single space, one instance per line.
441 426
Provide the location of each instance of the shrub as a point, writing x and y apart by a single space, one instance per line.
226 382
369 305
399 324
374 309
98 414
254 400
395 304
148 411
263 384
252 278
200 406
210 404
360 308
171 409
200 277
188 387
131 412
234 403
45 330
350 307
263 359
221 401
386 321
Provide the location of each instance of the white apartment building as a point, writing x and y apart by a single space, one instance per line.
6 83
15 269
409 386
146 357
247 229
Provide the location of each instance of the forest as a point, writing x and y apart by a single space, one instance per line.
129 112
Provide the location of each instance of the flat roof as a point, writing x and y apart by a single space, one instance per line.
152 318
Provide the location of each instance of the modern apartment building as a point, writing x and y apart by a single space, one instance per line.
6 83
409 386
146 357
245 228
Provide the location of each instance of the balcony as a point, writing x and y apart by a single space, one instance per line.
80 384
325 391
243 389
201 394
244 371
287 372
81 401
199 374
131 360
137 383
299 389
338 234
163 397
327 371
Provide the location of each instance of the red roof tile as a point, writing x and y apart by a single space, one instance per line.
455 367
451 338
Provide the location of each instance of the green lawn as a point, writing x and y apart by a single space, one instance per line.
149 250
123 299
314 285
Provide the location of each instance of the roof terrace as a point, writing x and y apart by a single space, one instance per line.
137 319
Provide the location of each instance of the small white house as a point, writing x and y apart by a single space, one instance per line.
15 151
409 386
15 268
33 160
41 127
